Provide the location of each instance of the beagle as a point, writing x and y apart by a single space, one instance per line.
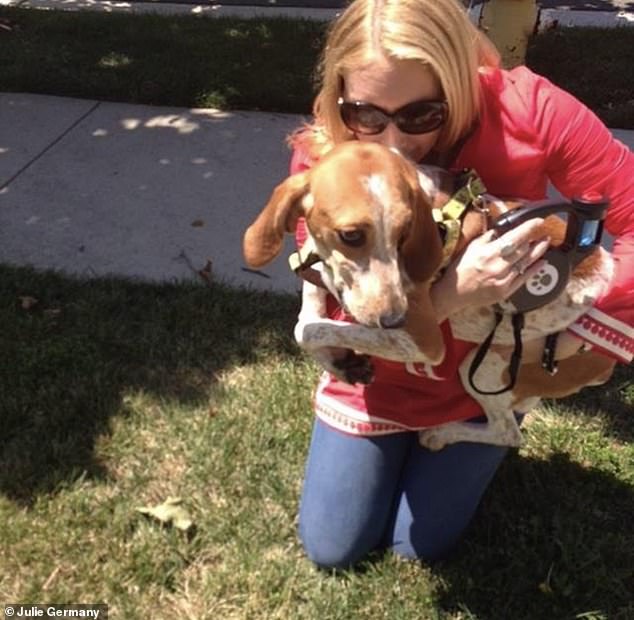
370 222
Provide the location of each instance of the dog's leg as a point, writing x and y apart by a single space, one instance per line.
313 310
501 428
573 374
334 356
343 348
391 344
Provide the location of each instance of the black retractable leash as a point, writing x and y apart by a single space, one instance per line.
516 356
583 234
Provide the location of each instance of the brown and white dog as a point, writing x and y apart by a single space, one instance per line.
368 214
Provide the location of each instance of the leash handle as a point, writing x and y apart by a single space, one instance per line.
516 358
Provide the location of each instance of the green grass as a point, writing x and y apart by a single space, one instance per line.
263 64
178 61
117 394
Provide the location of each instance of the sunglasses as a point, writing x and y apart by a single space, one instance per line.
416 117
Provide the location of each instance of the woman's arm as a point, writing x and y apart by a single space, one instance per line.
584 160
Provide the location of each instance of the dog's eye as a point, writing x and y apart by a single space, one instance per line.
354 237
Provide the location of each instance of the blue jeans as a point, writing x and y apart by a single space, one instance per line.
366 493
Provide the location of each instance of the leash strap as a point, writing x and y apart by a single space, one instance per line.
514 365
301 263
303 258
549 363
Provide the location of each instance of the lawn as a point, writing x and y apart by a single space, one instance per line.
118 395
176 61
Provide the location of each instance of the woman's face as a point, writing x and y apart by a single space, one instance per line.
390 84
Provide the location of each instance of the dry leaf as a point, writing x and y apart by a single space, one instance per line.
545 588
27 303
198 223
206 272
170 512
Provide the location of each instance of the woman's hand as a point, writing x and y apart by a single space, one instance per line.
490 269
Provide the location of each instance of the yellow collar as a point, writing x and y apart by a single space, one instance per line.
449 217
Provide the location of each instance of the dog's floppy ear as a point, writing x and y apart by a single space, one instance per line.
421 251
422 325
263 239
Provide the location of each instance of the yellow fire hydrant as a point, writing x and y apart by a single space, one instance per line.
509 24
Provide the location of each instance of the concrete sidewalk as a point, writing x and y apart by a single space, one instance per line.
106 188
96 188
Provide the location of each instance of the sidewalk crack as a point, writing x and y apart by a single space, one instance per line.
47 148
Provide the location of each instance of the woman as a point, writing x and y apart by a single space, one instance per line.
416 75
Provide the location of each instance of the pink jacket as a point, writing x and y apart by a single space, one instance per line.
529 132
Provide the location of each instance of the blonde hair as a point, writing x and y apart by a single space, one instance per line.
437 33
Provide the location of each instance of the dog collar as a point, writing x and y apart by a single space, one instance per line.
303 257
448 218
301 263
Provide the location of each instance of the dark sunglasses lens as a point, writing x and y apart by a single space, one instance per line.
421 117
362 118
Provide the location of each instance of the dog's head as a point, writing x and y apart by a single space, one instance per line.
371 224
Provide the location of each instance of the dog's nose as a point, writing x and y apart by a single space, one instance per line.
392 321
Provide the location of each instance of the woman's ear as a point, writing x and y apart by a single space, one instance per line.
263 239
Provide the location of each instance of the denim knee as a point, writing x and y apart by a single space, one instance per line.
434 511
428 547
348 494
328 551
428 544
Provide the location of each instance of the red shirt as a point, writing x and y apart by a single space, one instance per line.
529 132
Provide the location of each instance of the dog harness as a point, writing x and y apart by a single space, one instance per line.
448 218
303 258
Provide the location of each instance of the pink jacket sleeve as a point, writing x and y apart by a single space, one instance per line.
300 161
584 160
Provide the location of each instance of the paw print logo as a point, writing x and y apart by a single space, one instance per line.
544 281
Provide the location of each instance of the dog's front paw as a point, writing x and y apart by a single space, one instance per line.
355 368
433 439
